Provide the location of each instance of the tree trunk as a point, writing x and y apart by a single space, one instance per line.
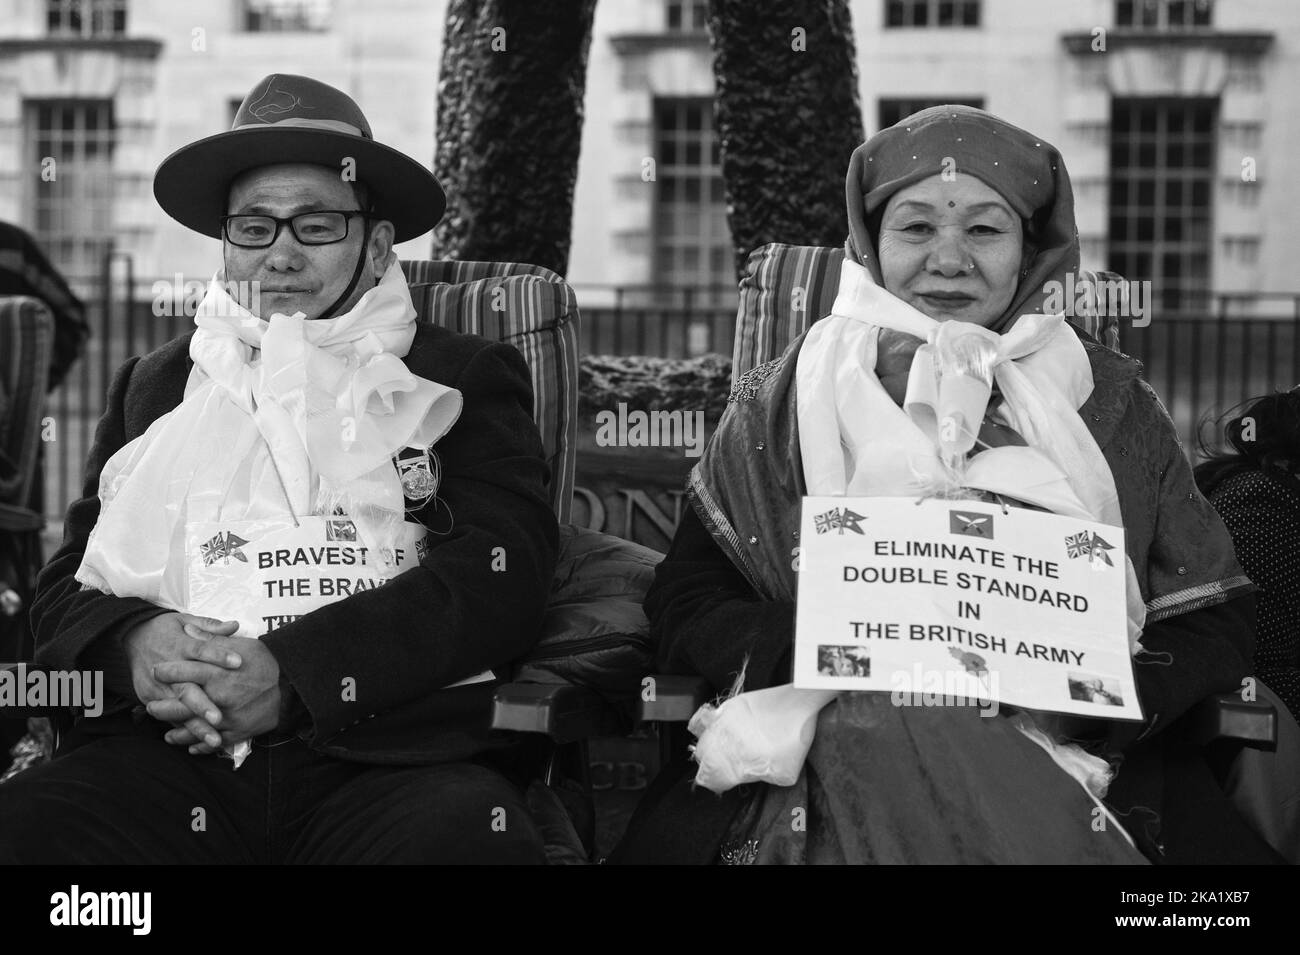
509 128
788 118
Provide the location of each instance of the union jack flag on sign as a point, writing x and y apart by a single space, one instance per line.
222 547
1092 546
839 519
1078 545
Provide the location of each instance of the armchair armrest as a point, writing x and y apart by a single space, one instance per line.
1223 717
563 711
672 699
1227 716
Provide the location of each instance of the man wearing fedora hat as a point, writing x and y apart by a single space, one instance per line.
307 396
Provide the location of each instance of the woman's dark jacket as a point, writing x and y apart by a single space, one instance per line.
707 619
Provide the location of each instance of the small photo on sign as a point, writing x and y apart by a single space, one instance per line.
340 530
971 524
839 660
1095 689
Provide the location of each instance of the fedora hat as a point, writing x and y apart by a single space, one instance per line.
295 119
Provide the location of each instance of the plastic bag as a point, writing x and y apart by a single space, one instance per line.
760 736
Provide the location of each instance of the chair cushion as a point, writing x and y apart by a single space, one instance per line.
533 309
786 288
595 633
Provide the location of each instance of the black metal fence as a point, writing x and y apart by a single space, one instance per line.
1199 365
1203 366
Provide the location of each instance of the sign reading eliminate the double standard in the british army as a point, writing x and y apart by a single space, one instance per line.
963 599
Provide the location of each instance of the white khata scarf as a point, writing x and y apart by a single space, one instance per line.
854 440
285 417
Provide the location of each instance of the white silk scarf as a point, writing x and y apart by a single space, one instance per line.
280 417
854 440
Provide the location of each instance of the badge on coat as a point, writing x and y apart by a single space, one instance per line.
420 475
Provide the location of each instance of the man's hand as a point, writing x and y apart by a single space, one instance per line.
248 695
179 636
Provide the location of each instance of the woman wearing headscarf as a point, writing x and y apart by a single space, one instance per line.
959 222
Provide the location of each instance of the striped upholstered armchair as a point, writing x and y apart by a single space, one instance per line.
533 309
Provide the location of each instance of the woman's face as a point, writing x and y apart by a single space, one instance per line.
951 249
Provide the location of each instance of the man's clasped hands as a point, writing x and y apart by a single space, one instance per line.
215 689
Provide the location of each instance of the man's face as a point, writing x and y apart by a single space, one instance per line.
291 277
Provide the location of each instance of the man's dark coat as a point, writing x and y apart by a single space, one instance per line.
469 607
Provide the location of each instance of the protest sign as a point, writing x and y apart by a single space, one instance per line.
268 573
963 599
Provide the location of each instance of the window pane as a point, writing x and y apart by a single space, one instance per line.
1161 182
690 214
284 16
73 213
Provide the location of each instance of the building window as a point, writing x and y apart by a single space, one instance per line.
891 111
932 13
1162 180
1163 14
71 189
287 16
692 241
85 18
686 16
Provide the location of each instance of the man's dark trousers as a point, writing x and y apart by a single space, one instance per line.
132 798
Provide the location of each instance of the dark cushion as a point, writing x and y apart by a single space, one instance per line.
595 633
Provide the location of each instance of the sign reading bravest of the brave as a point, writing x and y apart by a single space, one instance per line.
964 599
268 573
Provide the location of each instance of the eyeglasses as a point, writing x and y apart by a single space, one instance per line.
310 228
